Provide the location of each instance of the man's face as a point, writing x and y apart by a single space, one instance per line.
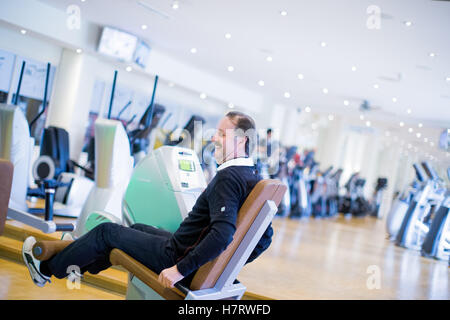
228 145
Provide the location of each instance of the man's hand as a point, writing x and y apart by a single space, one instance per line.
168 277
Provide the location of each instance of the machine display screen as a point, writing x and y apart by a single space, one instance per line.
186 165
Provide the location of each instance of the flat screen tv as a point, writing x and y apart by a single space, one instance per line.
141 54
117 44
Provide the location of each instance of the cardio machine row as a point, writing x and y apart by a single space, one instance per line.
419 217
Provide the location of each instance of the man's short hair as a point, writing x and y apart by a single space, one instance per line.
245 123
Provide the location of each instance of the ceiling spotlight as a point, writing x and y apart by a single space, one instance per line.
418 134
203 96
23 31
346 103
231 105
410 130
376 86
287 95
353 68
301 76
79 51
283 13
409 111
447 79
175 5
269 59
325 90
394 99
361 117
144 27
331 117
431 144
194 50
432 54
261 83
368 124
227 36
323 44
129 69
308 109
402 124
408 23
425 140
230 68
420 125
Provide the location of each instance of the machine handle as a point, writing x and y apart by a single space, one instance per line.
68 227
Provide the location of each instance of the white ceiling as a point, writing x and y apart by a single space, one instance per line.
395 57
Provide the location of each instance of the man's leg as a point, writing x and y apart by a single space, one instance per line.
91 251
152 230
103 264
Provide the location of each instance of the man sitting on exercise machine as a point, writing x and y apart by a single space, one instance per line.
201 237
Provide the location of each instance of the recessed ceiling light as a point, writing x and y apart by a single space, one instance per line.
368 124
402 124
346 103
261 83
420 125
331 117
447 79
175 5
79 51
287 95
23 31
432 54
353 68
269 59
409 111
408 23
301 76
230 68
418 134
129 69
308 109
144 27
203 96
323 44
431 144
227 36
425 140
283 13
194 50
410 130
231 105
361 117
376 86
325 90
394 99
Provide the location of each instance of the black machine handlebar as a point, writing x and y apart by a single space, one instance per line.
419 172
430 171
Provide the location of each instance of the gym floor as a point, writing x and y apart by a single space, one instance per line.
308 259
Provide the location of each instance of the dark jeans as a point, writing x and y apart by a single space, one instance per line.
148 245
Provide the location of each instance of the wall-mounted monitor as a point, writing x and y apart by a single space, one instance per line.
141 54
117 44
444 139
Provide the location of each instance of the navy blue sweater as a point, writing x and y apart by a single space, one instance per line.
210 226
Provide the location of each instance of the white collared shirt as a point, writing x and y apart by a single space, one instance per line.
246 162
